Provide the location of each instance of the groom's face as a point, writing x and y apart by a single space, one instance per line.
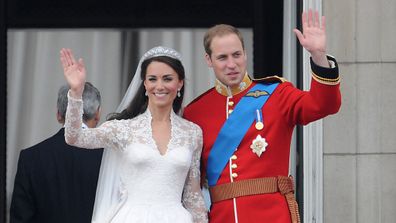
228 59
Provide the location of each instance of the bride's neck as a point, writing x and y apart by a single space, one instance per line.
160 114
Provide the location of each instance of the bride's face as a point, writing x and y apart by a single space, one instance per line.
162 84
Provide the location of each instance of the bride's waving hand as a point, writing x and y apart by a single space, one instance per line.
74 72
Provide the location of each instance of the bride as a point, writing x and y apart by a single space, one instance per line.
150 170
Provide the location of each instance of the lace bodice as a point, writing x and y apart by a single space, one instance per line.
147 176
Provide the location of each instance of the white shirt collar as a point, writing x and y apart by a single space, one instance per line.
83 126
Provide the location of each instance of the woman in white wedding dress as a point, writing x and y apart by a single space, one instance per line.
150 170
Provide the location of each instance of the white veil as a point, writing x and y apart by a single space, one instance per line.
110 193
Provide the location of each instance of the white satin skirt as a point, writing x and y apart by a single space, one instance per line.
152 213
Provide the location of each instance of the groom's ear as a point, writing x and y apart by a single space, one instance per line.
208 60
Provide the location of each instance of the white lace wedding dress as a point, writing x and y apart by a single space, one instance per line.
154 188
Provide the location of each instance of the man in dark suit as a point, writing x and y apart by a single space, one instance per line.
56 182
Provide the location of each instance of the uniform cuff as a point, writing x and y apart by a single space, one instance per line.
326 75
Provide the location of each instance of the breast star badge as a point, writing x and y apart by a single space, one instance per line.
258 145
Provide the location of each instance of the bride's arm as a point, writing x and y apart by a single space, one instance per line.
193 200
107 135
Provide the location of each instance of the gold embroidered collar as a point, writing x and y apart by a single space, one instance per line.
230 91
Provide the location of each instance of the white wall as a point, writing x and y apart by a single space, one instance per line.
360 142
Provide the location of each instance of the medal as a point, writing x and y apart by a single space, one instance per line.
259 123
258 145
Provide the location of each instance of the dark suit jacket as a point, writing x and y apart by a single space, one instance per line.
55 182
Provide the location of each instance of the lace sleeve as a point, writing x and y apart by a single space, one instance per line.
193 200
107 135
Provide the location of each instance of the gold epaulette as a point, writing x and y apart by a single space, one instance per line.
271 79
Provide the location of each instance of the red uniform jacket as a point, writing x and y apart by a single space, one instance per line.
285 108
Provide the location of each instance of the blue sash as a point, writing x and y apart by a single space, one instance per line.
235 128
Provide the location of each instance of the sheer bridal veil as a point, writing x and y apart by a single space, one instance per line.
110 192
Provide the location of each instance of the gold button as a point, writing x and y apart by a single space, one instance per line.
233 166
230 103
234 175
234 157
230 111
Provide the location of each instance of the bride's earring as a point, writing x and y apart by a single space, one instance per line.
178 93
145 93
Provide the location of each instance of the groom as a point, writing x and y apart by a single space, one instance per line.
248 124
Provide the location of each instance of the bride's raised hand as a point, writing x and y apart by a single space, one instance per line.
74 72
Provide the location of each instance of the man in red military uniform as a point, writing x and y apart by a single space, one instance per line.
247 125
